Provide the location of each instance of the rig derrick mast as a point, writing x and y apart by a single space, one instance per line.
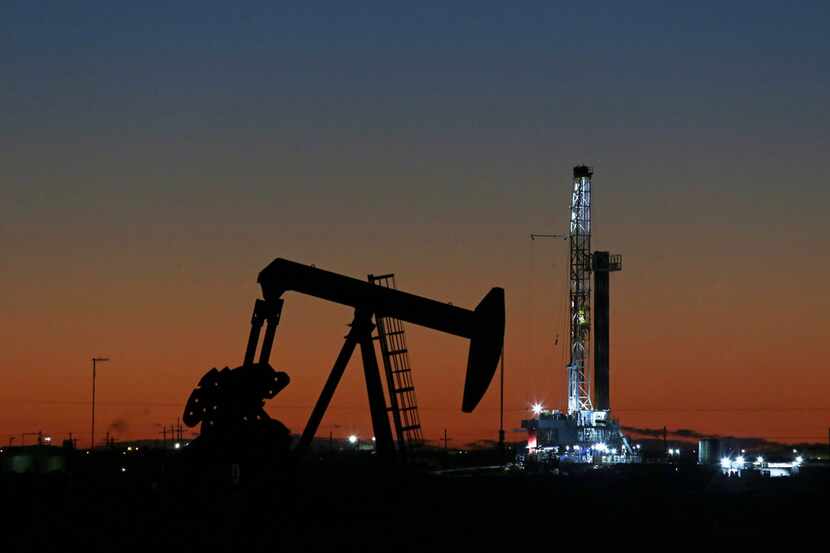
579 239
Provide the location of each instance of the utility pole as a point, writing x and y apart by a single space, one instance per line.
95 361
445 440
665 445
501 405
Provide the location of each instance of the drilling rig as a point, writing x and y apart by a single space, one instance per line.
586 432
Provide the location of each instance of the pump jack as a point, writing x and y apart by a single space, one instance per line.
229 403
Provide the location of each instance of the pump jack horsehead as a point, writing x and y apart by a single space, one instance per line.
229 403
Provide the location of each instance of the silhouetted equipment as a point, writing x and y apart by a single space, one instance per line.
229 403
603 263
484 327
399 384
708 451
586 431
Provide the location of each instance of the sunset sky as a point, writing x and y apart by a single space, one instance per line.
155 157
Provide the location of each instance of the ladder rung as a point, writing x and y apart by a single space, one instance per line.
410 408
394 333
405 389
398 351
410 428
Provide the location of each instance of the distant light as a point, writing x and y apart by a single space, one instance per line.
759 461
352 439
537 408
743 451
123 469
739 460
614 451
373 438
47 439
726 462
799 460
129 448
177 445
794 451
577 448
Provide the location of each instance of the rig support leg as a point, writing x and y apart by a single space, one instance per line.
359 325
384 442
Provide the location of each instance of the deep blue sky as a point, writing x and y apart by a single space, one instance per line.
154 157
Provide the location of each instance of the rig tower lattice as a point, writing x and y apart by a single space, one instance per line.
579 239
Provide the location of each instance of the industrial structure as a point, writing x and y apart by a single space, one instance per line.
586 432
228 403
399 384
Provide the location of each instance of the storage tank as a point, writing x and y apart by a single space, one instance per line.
708 451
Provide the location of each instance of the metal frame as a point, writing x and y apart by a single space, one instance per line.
399 384
579 238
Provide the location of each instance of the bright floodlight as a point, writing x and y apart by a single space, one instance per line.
799 460
759 461
352 439
536 408
177 445
725 462
739 460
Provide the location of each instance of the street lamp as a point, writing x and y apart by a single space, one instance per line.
95 360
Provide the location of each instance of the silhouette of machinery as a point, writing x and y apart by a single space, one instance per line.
229 403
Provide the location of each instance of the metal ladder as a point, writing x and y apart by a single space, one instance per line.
403 404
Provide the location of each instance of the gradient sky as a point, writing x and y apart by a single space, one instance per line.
155 157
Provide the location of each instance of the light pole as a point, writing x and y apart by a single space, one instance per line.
95 360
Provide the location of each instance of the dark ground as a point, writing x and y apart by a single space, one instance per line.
351 503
